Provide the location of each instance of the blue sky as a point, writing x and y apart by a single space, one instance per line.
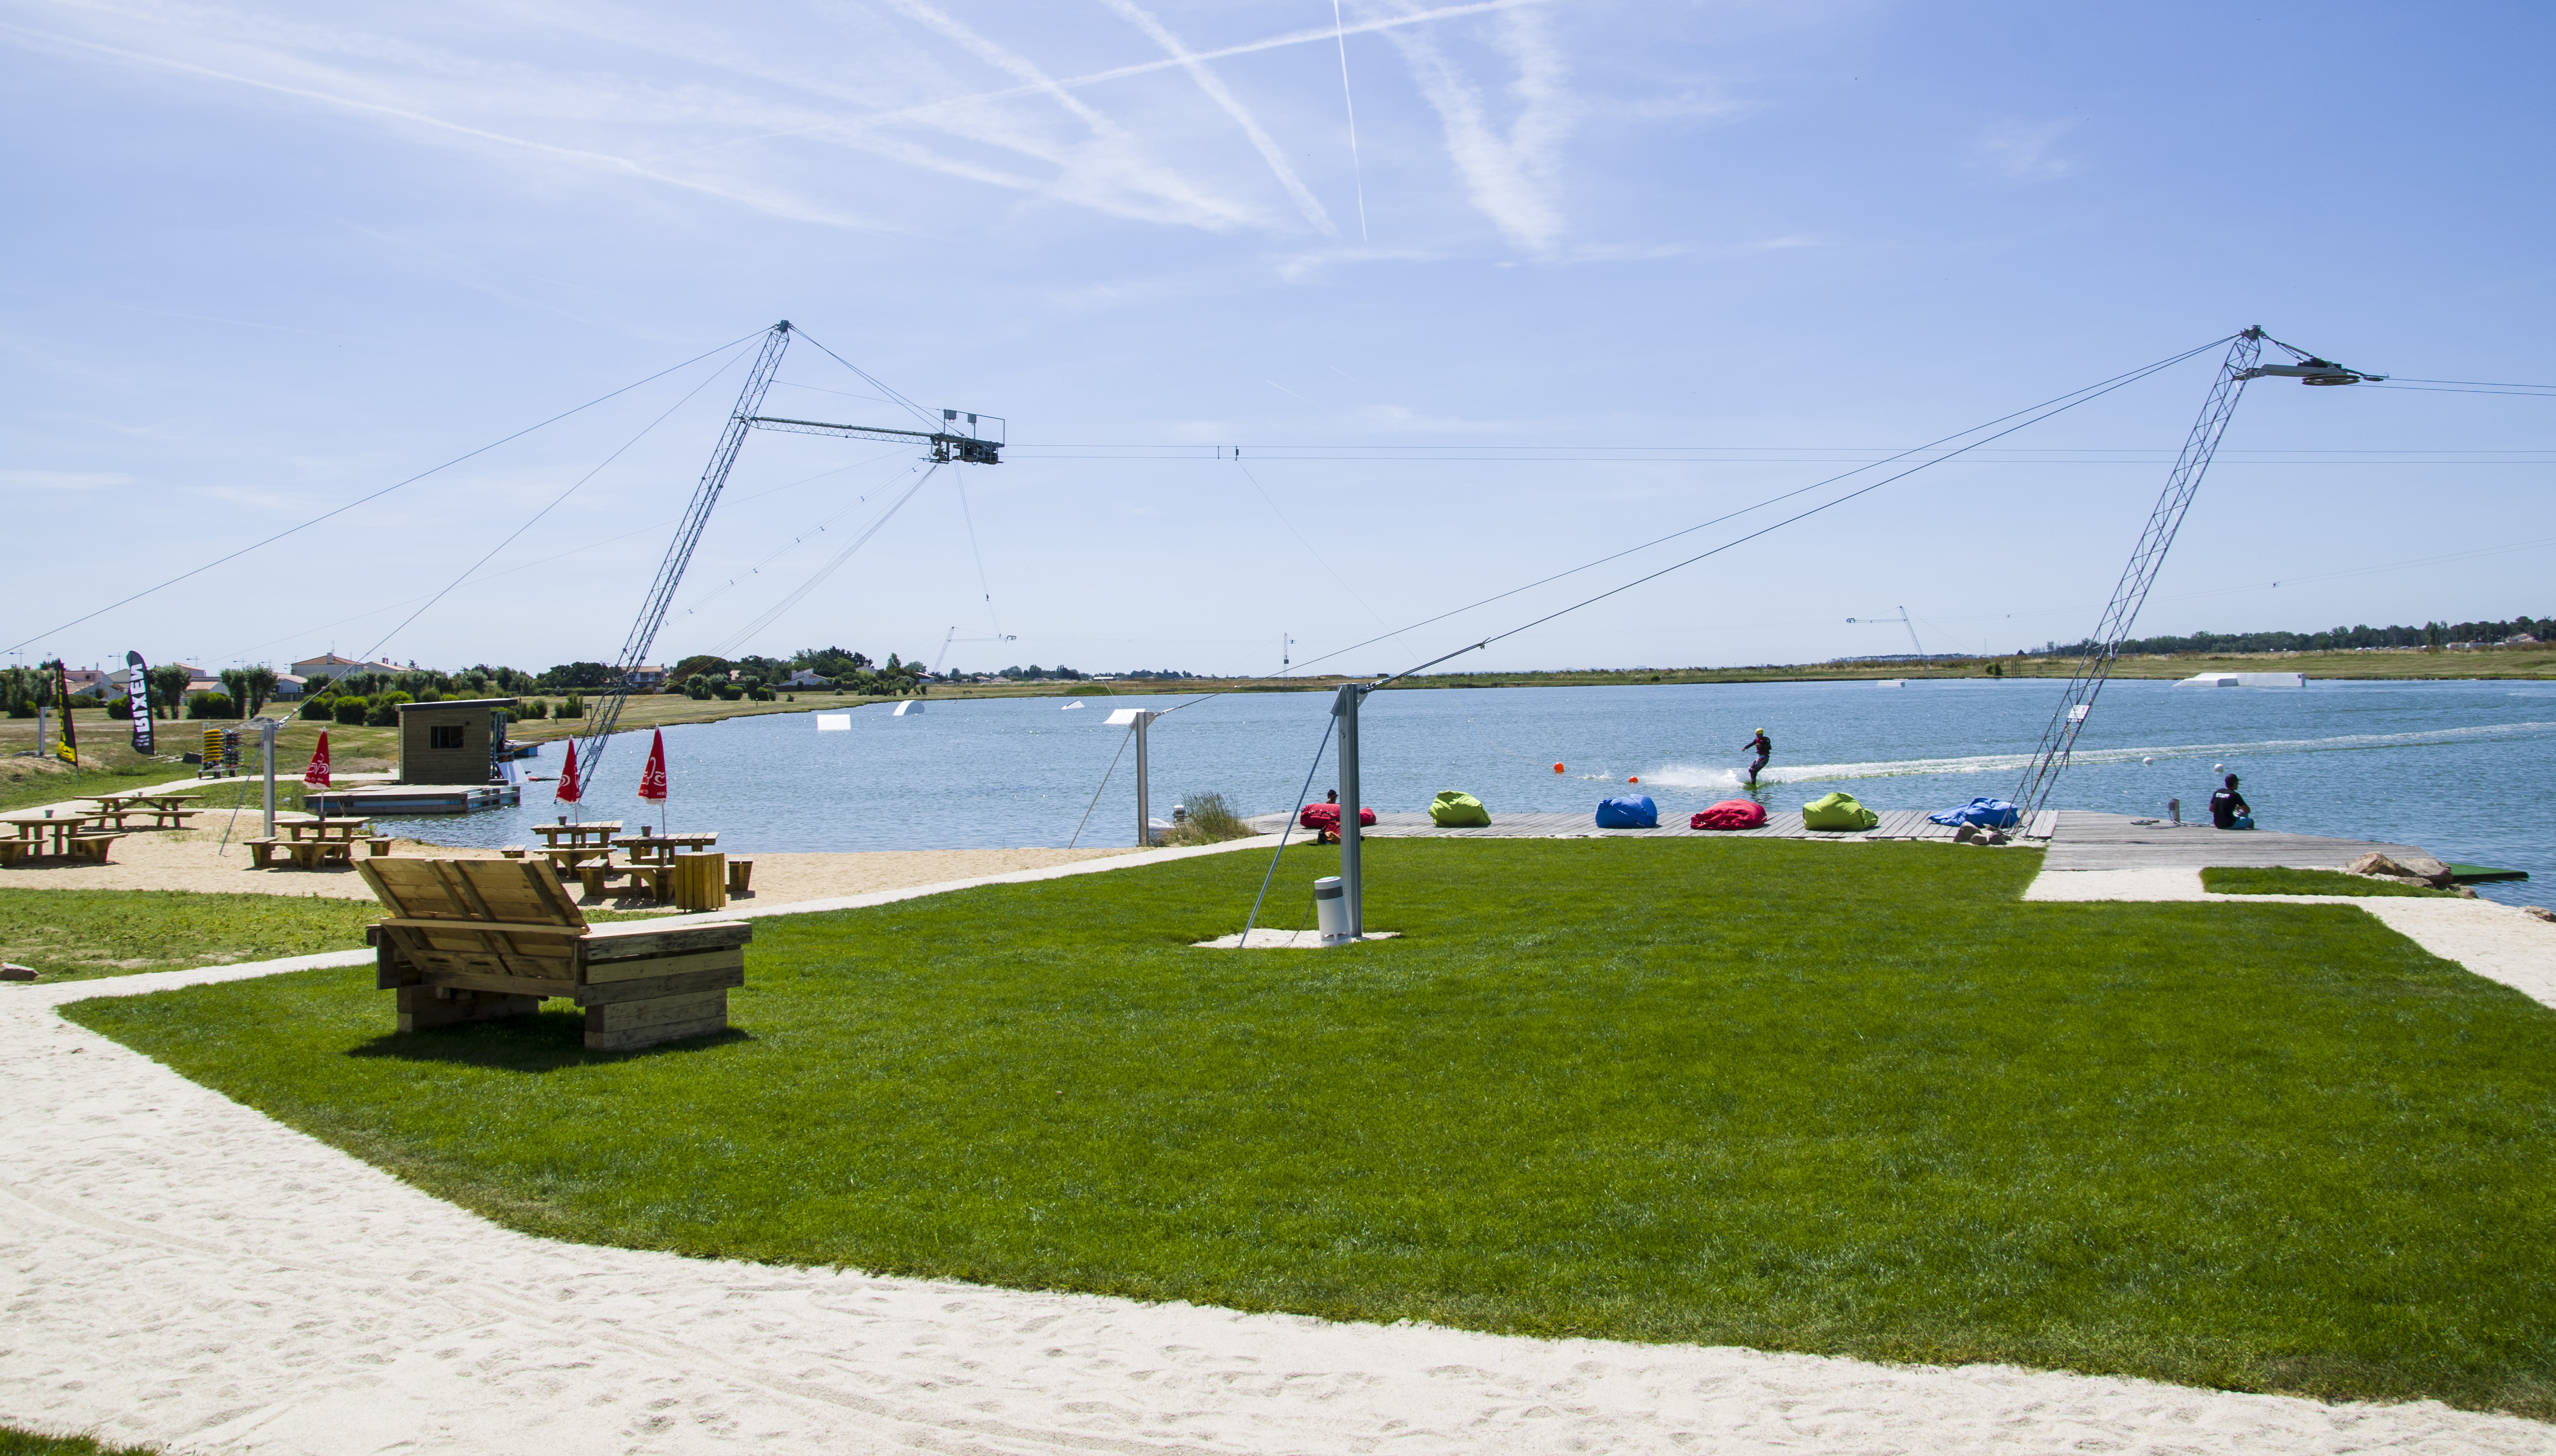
263 261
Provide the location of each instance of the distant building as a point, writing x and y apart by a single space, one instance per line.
451 741
648 676
335 667
286 687
85 680
804 677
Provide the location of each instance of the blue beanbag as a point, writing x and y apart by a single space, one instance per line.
1987 813
1627 814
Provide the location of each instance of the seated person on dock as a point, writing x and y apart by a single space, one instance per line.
2228 809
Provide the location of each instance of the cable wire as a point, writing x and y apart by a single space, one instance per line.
874 382
1284 830
1104 786
555 503
385 490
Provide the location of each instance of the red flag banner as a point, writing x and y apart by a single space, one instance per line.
569 791
317 776
652 780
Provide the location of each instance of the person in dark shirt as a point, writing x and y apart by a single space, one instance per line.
1763 747
2228 809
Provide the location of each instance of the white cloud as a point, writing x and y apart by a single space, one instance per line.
61 479
1510 174
2021 151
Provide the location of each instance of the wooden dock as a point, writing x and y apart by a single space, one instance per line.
2090 841
402 799
2078 840
1895 825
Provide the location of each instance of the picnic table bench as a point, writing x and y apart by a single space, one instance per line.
312 842
55 834
167 810
469 940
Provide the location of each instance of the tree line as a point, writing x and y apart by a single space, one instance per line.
2335 639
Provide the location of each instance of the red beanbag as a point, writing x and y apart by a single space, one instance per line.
1326 817
1731 814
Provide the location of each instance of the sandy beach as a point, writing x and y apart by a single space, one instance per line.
208 857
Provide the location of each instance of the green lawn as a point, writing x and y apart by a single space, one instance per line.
2305 882
1843 1099
74 934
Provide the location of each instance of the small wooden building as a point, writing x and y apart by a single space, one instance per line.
452 742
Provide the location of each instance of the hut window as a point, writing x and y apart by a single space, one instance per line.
443 735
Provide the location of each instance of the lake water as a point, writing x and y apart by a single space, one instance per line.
2464 769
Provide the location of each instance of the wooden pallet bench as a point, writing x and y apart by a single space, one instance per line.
468 940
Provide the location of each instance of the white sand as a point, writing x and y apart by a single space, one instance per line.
178 1268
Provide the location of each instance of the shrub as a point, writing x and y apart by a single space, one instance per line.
384 710
121 707
762 695
350 710
696 687
319 709
571 706
533 707
211 705
728 691
1210 820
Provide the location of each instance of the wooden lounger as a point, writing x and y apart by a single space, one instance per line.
472 939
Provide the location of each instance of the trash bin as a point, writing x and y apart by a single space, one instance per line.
1331 910
700 882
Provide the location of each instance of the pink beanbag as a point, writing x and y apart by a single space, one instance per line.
1731 814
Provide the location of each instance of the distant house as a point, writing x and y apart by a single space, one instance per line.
85 680
335 667
804 677
648 676
286 687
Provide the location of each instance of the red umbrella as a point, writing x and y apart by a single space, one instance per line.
652 780
569 792
317 776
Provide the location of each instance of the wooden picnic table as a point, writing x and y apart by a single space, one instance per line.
55 833
312 841
167 810
658 848
596 833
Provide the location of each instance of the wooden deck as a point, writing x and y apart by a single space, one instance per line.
1895 825
2078 840
2092 841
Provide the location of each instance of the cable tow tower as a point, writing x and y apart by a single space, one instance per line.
2165 519
968 438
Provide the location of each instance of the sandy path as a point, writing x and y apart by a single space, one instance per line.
182 1269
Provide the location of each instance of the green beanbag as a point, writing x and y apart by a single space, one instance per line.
1837 812
1452 811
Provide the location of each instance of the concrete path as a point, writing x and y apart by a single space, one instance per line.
178 1268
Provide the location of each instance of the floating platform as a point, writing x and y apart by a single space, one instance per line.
400 800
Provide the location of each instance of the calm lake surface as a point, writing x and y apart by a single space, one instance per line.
2464 769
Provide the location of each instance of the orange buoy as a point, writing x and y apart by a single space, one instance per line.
1633 778
1557 768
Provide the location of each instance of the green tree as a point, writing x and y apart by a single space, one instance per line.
167 688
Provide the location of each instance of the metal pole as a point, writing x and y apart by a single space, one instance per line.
1144 786
266 747
1353 889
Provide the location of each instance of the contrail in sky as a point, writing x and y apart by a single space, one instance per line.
1340 35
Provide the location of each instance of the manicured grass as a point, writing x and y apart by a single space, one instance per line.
2304 882
17 1442
1846 1099
75 934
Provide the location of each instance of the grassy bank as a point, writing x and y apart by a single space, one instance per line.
1797 1096
2306 882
